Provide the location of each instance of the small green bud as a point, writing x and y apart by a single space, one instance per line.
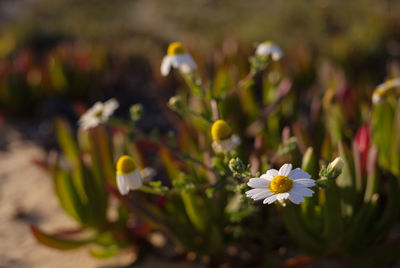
242 188
237 167
136 112
176 104
333 170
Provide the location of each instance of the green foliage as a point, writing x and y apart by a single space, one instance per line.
199 201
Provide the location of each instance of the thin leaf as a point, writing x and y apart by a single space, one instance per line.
57 242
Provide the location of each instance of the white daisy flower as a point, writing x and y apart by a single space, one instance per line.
268 48
280 185
128 175
223 140
381 91
177 57
99 113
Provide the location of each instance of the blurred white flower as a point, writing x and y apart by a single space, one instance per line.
381 91
223 140
177 57
268 48
99 113
280 185
128 175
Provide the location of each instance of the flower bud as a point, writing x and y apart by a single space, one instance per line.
237 166
335 168
136 112
176 104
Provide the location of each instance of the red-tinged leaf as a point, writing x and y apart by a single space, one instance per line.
40 164
57 242
297 262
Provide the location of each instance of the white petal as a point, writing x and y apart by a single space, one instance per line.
285 169
272 173
298 174
297 199
236 140
133 180
264 194
166 65
263 50
258 183
98 106
121 183
109 107
217 147
277 54
270 200
252 192
282 196
299 190
185 63
87 123
304 182
266 177
227 145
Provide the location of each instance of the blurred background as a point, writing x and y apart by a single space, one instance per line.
59 57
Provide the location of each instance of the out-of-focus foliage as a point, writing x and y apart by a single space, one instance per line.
197 200
81 176
28 75
307 109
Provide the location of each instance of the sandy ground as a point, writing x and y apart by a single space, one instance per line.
26 197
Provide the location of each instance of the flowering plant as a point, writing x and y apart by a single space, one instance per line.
217 161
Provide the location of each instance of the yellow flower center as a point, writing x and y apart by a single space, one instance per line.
390 83
176 48
281 184
267 43
382 92
220 130
99 113
125 165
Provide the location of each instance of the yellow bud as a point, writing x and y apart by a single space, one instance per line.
126 165
220 130
176 48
